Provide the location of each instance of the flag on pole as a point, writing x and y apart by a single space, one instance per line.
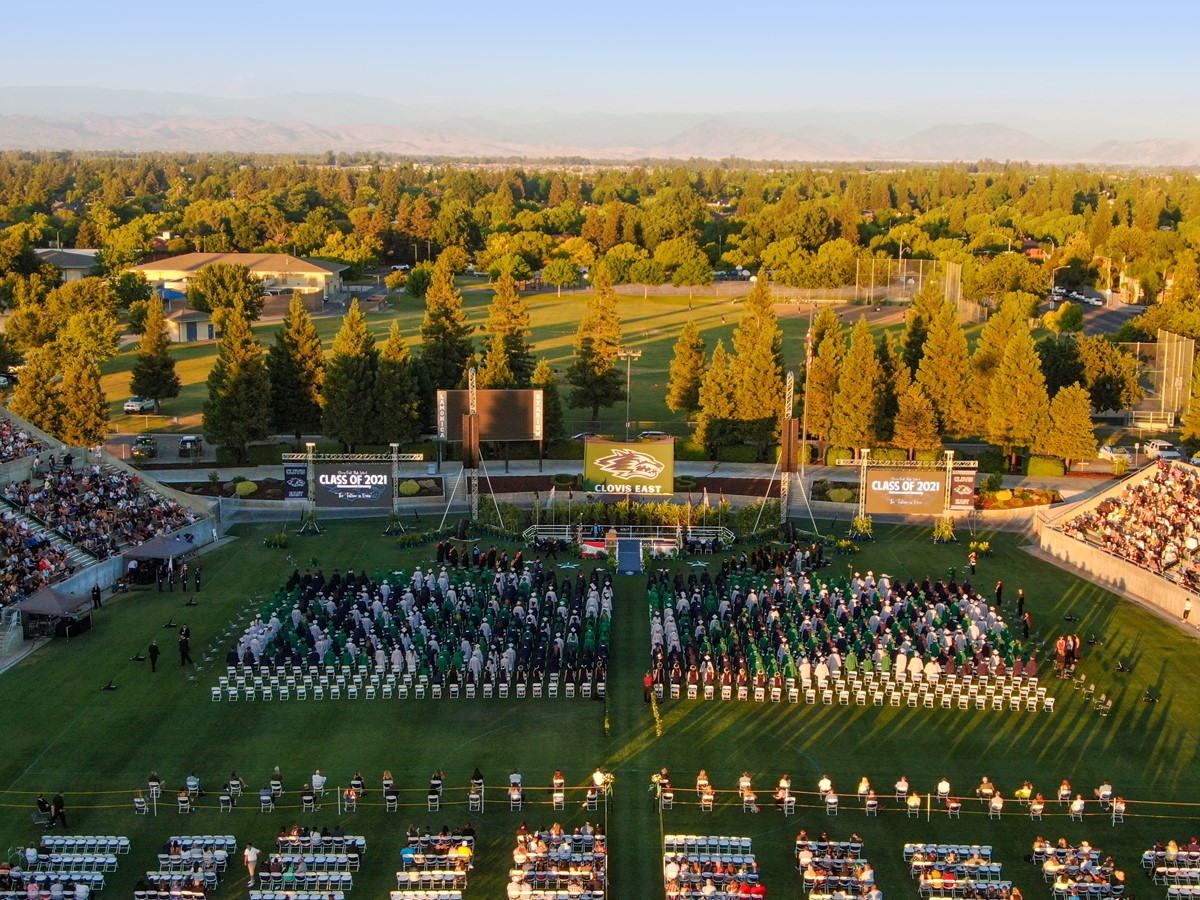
704 500
550 497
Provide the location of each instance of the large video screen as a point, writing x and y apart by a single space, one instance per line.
642 469
354 485
514 415
906 491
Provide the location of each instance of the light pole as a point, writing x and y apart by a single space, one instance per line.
629 356
1054 272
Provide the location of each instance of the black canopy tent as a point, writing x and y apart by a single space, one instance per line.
156 553
51 611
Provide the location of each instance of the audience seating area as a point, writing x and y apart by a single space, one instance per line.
716 866
99 510
16 443
957 871
31 561
551 861
751 633
834 867
1176 866
1154 524
467 633
66 866
1076 869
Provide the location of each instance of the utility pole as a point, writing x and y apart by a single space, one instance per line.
629 356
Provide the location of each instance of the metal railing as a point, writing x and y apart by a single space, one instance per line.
637 532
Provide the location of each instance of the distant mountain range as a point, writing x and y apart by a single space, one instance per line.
141 121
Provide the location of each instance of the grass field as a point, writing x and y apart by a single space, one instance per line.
649 324
63 732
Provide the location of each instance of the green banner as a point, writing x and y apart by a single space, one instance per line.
643 469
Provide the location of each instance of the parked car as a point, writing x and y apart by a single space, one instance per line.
137 406
190 445
144 447
1116 453
584 435
1158 449
652 435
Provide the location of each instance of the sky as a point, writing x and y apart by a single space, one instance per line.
1126 69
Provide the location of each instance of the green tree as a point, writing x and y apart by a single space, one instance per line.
418 281
717 424
926 304
1071 434
695 272
219 287
237 410
823 382
496 371
560 272
508 317
1110 373
916 426
896 379
154 374
756 366
1190 422
130 288
350 382
553 426
84 407
1018 406
593 375
944 374
857 406
687 370
989 352
36 398
1060 362
397 400
91 333
445 333
648 273
296 363
1067 318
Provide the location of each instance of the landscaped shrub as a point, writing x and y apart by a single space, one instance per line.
889 454
833 454
246 488
992 482
408 488
841 495
268 454
927 455
1045 467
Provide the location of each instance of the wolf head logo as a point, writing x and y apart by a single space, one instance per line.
624 463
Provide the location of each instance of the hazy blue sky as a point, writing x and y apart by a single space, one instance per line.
1127 69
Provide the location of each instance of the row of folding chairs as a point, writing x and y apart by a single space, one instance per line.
95 880
267 692
971 871
691 844
941 851
835 883
296 895
426 895
960 887
226 842
431 879
1176 875
176 880
169 893
1090 891
183 862
85 843
830 849
77 862
323 862
1153 858
1182 892
350 843
892 694
308 881
736 859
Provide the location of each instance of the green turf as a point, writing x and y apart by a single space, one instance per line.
62 732
648 324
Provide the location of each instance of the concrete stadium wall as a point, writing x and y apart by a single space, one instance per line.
1113 572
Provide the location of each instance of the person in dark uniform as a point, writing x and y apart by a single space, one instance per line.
60 810
183 576
197 578
1020 602
153 654
160 578
185 646
96 604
